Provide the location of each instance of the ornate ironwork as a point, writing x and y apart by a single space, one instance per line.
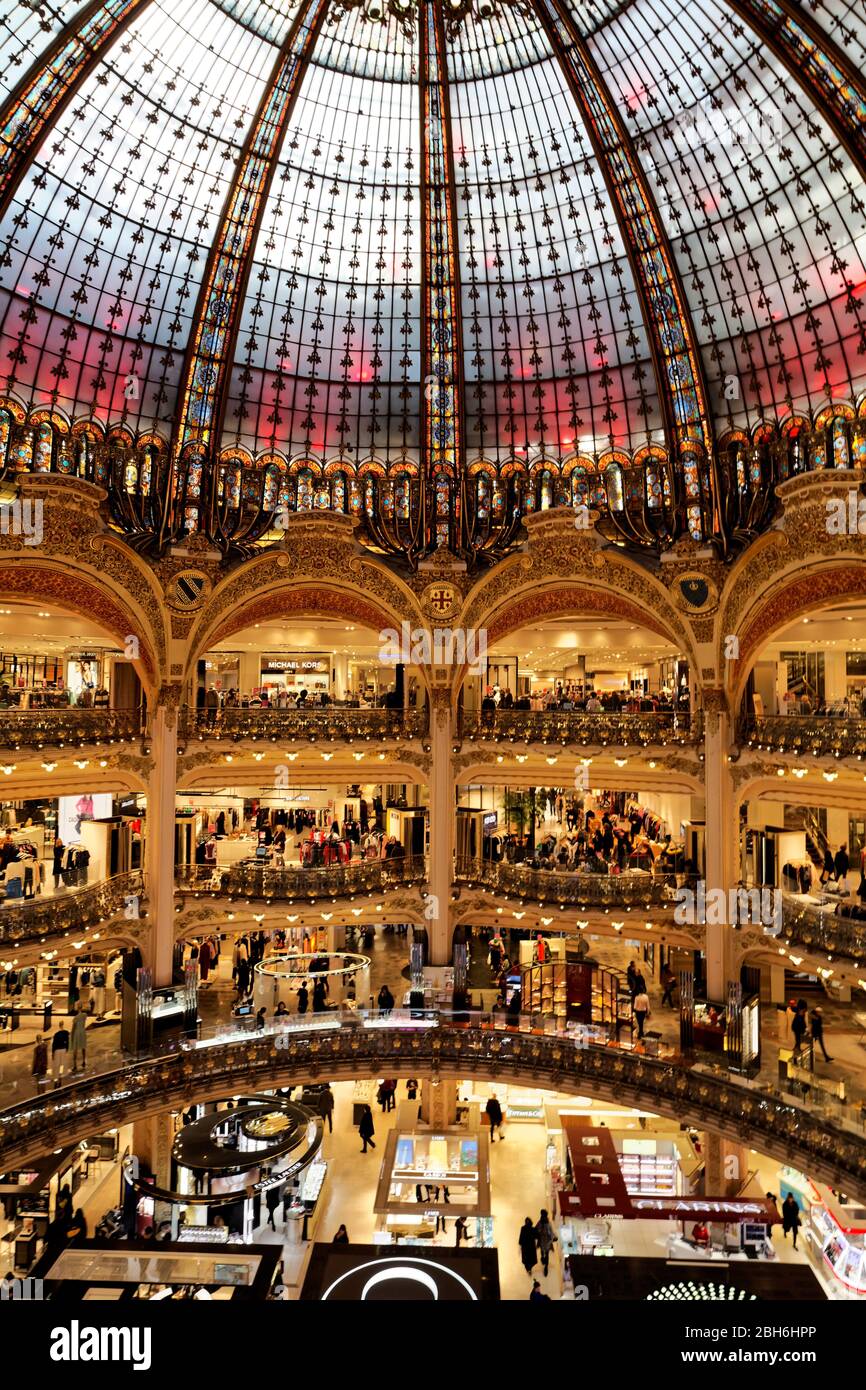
68 728
575 727
812 735
331 724
824 929
765 1118
679 372
817 63
192 501
72 910
40 98
550 886
291 884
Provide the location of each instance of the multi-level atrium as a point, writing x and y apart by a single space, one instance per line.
433 650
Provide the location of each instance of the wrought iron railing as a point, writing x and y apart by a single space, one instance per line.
813 735
287 884
630 889
72 909
68 728
352 1045
328 725
823 929
576 727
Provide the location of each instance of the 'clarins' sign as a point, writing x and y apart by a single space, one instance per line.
682 1209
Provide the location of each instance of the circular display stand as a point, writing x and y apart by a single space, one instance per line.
279 976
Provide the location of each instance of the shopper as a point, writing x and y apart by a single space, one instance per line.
303 999
320 1002
273 1198
57 865
537 1296
461 1230
260 1019
545 1240
841 863
366 1130
527 1243
386 1000
326 1106
342 1237
669 984
641 1010
411 1089
798 1027
816 1019
59 1053
494 1114
39 1068
790 1217
78 1041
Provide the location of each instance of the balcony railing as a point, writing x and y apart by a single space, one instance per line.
71 910
68 728
603 730
330 724
823 929
354 1044
262 881
631 889
813 735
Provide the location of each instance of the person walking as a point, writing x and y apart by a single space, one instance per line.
59 1053
342 1237
798 1027
493 1111
303 999
641 1010
386 1000
273 1199
260 1019
841 863
39 1069
528 1248
326 1107
366 1129
790 1217
545 1239
816 1020
78 1041
461 1231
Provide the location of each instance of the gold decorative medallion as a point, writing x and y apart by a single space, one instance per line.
187 591
441 599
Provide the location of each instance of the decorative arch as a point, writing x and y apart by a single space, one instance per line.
80 594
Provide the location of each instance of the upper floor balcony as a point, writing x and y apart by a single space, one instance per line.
40 918
580 890
812 735
68 727
295 883
316 724
576 727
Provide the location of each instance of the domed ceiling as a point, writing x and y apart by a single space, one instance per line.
421 232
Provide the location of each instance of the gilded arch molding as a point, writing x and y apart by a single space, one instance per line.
67 585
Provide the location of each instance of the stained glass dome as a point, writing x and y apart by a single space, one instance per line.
616 251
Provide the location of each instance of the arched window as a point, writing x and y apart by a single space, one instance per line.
613 480
5 438
841 451
305 490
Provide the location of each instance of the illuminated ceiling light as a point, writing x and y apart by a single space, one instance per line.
357 757
229 757
830 776
519 915
521 758
49 767
552 760
326 757
82 762
258 757
780 772
799 771
652 763
620 762
291 757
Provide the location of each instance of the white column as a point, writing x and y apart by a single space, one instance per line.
441 830
721 846
340 667
250 670
835 675
159 844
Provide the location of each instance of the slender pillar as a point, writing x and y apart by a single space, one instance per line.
721 845
726 1166
159 844
151 1144
438 1103
441 864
